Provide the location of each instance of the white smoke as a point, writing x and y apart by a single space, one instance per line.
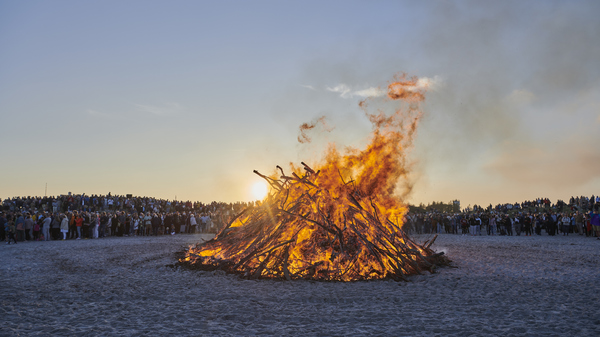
346 91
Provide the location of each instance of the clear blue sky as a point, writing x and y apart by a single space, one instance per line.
186 98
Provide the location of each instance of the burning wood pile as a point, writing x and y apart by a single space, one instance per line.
340 222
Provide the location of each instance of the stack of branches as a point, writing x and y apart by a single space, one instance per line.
302 231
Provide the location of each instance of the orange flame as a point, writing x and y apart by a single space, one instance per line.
341 221
303 137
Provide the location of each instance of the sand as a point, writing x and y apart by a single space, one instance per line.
503 286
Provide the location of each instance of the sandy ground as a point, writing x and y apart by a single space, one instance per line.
504 286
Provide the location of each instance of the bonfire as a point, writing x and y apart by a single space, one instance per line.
339 221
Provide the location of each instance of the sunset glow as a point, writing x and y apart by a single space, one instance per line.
190 107
259 190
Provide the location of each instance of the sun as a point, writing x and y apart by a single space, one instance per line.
259 190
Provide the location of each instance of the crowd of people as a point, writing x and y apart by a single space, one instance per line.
579 216
492 223
75 217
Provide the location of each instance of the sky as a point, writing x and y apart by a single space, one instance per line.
185 99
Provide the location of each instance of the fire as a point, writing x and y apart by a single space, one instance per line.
341 221
303 137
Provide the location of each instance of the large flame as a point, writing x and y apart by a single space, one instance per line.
341 221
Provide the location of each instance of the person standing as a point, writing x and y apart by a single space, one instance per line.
128 227
453 223
135 224
79 225
595 223
201 223
492 225
552 221
113 222
2 225
72 226
122 219
478 223
155 223
141 224
46 226
37 227
538 220
527 222
11 231
579 219
176 223
472 225
183 223
104 220
86 224
464 224
508 223
28 227
20 227
517 224
566 224
64 226
194 224
167 222
548 223
55 227
95 225
147 224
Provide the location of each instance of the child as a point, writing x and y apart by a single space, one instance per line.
36 231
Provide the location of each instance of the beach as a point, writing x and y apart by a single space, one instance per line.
124 286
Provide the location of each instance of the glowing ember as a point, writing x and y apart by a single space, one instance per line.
340 222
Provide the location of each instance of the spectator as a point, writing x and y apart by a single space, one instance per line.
595 223
28 227
193 224
579 220
72 226
2 230
79 225
527 225
135 224
517 225
55 227
182 223
147 223
156 221
566 224
11 231
492 226
64 225
46 226
95 225
20 227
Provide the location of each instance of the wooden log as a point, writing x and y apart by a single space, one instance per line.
286 271
260 268
274 183
432 241
363 233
